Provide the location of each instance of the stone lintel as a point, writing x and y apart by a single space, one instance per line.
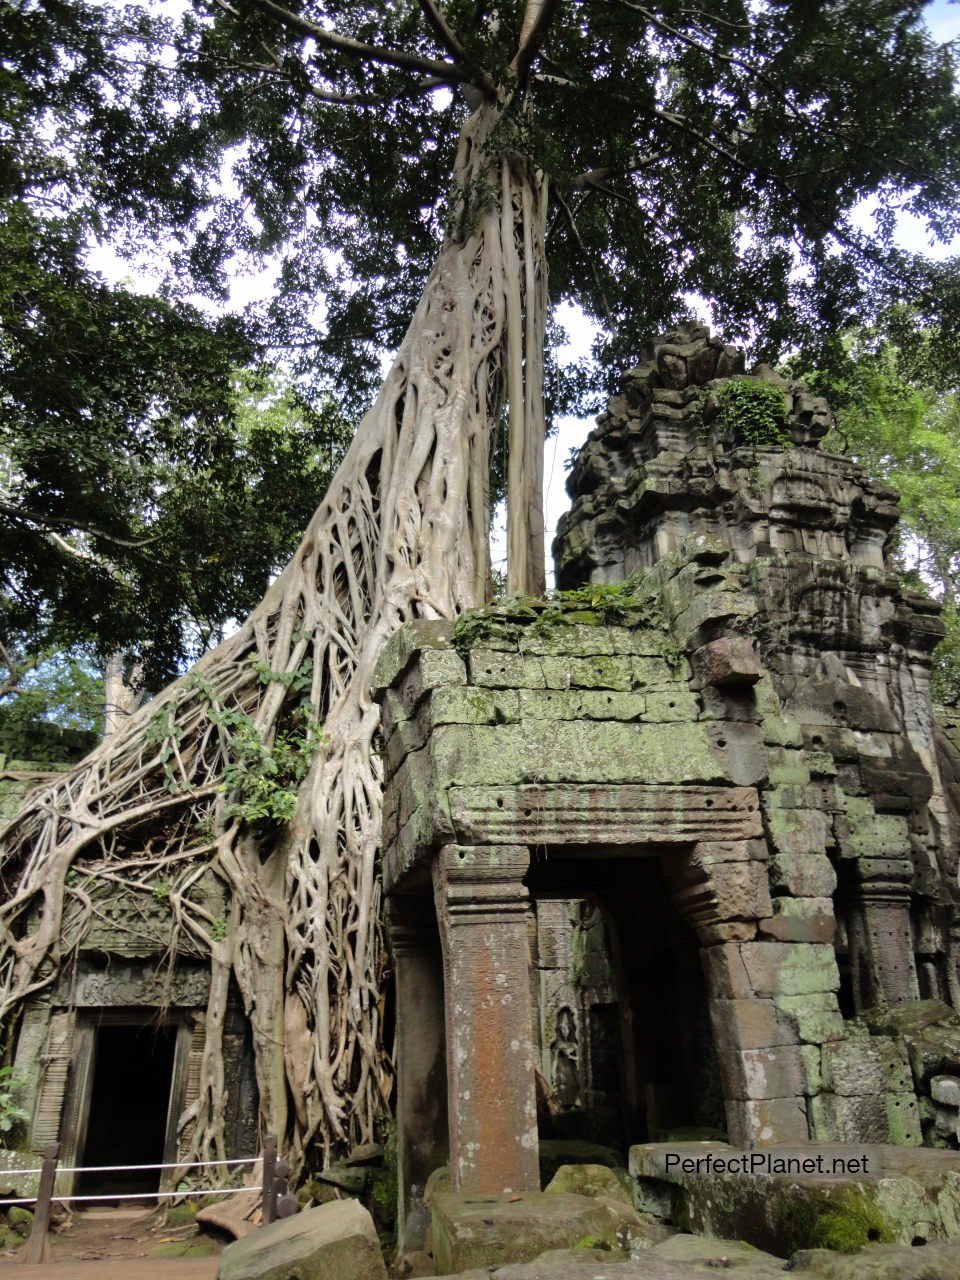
596 813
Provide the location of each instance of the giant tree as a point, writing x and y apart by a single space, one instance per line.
463 166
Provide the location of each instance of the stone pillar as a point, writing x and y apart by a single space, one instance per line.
482 907
422 1141
885 944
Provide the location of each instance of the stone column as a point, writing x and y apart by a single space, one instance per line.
422 1141
885 947
482 907
758 991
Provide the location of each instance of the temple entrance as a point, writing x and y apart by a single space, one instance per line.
132 1074
624 1033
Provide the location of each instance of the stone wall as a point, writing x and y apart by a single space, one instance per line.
29 754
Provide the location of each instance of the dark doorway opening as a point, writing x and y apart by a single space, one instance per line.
644 1049
132 1075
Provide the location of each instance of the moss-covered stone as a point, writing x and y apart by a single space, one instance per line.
592 1180
20 1220
181 1215
589 751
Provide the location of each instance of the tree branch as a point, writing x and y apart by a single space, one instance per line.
45 523
594 177
536 21
607 311
437 22
357 48
16 670
276 68
381 99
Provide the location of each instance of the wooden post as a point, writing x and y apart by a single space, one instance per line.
269 1194
37 1249
285 1204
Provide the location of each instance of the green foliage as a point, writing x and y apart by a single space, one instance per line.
147 489
65 689
754 411
12 1114
695 149
260 778
908 434
945 684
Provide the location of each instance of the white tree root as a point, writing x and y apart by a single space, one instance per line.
402 533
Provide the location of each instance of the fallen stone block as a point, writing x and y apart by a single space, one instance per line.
936 1261
475 1231
238 1215
335 1241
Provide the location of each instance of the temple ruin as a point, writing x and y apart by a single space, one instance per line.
108 1050
672 856
680 860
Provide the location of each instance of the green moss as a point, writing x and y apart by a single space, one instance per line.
848 1231
20 1220
592 1242
181 1215
626 603
843 1222
383 1185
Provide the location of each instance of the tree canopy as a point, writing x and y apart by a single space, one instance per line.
143 504
901 422
712 149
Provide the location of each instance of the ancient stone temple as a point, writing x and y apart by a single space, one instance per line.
681 855
108 1049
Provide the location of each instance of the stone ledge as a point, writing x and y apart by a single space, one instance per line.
907 1194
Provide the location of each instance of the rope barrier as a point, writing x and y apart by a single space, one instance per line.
131 1168
275 1198
143 1195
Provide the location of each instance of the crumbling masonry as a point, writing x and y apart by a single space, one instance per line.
738 803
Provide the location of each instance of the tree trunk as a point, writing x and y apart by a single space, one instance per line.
401 534
119 699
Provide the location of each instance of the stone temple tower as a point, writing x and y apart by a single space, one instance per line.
848 649
730 762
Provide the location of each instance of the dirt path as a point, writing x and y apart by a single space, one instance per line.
117 1244
117 1269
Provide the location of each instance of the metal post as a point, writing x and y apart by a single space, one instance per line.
37 1248
269 1196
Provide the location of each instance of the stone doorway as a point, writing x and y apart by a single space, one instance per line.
623 1018
129 1102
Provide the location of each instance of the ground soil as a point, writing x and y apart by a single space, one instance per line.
117 1244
